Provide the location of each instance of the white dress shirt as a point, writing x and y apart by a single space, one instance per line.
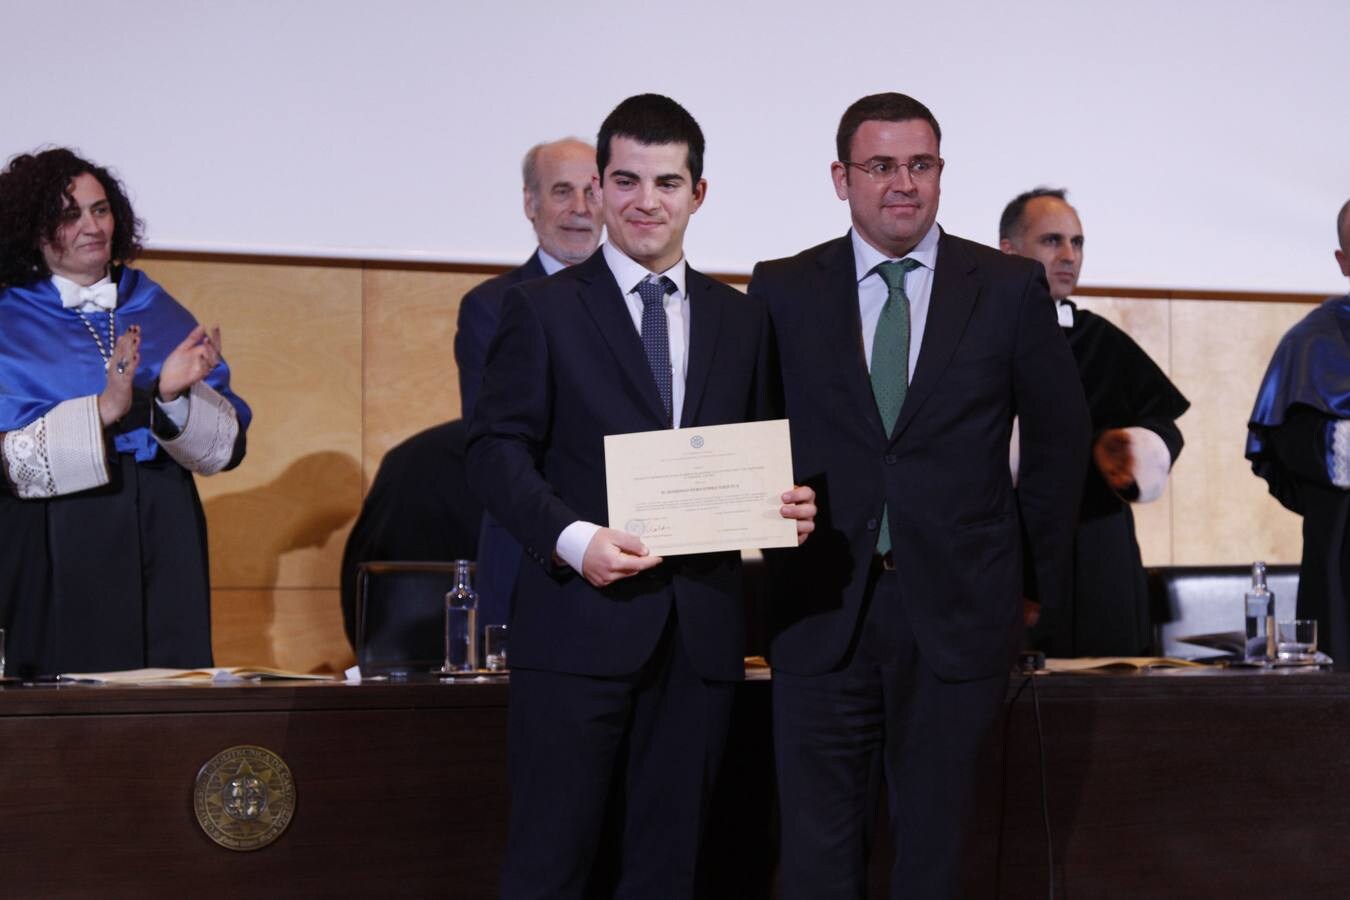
872 290
552 265
575 538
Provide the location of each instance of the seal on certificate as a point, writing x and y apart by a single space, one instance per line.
244 797
636 527
696 442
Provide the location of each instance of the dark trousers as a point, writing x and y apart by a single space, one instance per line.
883 717
610 778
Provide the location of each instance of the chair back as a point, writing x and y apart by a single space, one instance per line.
400 615
1207 600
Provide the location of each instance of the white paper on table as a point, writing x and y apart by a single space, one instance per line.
702 489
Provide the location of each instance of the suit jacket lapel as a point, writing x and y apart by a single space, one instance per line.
955 290
840 327
603 299
705 323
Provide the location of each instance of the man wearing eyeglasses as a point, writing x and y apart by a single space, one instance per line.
905 353
1135 439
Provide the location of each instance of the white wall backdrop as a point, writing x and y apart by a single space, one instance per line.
1206 143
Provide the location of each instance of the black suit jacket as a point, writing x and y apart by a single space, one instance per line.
991 350
479 314
567 368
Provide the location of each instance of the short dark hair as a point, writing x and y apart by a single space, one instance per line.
889 107
35 190
651 119
1011 220
1341 219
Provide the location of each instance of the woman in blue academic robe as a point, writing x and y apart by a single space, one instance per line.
111 397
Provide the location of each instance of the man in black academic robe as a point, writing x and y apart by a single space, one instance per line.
1135 440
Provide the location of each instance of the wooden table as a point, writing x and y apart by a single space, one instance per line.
1185 784
1165 785
400 790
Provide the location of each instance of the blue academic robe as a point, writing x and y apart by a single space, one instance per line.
115 577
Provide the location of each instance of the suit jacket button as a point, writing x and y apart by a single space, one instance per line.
889 459
871 524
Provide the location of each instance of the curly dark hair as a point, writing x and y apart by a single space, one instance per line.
35 189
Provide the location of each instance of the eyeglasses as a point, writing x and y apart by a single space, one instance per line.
883 170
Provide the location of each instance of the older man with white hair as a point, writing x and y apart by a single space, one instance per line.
565 212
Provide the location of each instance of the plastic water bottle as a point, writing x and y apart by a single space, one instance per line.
1260 614
461 621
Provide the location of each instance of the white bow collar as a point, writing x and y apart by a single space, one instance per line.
101 294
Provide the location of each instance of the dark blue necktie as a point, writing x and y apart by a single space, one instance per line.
656 336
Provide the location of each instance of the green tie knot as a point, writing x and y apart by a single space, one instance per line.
893 272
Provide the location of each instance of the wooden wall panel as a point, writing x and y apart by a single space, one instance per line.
342 362
411 380
292 335
299 629
1224 512
1148 322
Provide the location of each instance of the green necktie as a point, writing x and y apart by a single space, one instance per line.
890 360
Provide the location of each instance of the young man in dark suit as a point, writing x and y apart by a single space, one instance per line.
905 354
623 663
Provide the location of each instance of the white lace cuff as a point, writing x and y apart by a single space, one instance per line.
1339 453
1152 463
206 441
59 453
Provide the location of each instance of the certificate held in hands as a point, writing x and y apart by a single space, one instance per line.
701 490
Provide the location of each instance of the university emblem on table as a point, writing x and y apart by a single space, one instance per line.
244 797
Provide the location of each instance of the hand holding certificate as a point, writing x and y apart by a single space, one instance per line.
703 489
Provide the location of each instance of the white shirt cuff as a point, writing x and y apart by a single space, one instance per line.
574 540
1152 463
176 410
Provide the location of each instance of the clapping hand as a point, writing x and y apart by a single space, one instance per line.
115 400
189 363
